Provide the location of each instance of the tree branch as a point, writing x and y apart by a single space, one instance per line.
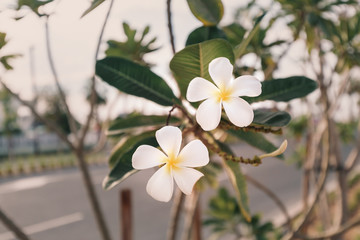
93 82
273 196
70 117
171 34
48 123
175 214
12 226
333 233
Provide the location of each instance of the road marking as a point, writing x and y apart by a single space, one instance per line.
47 225
26 183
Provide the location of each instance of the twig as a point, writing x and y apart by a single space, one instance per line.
321 182
171 34
189 217
12 226
70 117
273 196
48 123
333 233
175 215
93 82
169 115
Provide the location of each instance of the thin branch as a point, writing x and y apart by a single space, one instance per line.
333 233
169 115
175 215
93 82
171 34
12 226
354 153
322 178
273 196
189 217
48 123
70 117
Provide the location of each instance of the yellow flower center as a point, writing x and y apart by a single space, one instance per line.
171 162
224 94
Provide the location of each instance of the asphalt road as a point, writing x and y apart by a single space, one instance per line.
53 206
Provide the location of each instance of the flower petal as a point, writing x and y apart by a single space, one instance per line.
208 114
200 89
186 178
147 156
194 154
239 112
220 70
169 139
160 186
246 85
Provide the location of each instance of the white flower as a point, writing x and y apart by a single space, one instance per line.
225 93
175 164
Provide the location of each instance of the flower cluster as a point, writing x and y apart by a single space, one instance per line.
178 165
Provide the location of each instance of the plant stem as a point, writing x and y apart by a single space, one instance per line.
175 215
70 117
171 34
90 190
273 196
12 226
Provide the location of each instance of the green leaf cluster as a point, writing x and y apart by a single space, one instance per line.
225 218
133 48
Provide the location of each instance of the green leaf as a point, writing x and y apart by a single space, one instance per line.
241 48
135 79
126 145
93 5
2 39
193 61
256 140
33 5
203 33
121 157
284 89
209 12
238 181
270 118
130 122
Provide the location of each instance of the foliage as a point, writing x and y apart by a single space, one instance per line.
4 59
225 219
134 48
203 45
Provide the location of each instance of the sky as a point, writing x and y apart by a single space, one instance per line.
73 42
74 39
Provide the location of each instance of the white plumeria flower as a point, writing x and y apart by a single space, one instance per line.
225 93
175 164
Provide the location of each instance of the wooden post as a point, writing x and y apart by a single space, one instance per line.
126 214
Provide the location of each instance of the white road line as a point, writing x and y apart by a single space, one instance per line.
43 226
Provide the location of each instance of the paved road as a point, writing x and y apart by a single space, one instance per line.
53 206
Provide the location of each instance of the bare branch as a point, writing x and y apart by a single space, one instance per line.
48 123
171 34
12 226
333 233
273 196
70 117
190 207
175 214
93 82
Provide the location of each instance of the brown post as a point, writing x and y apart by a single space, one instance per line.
126 214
